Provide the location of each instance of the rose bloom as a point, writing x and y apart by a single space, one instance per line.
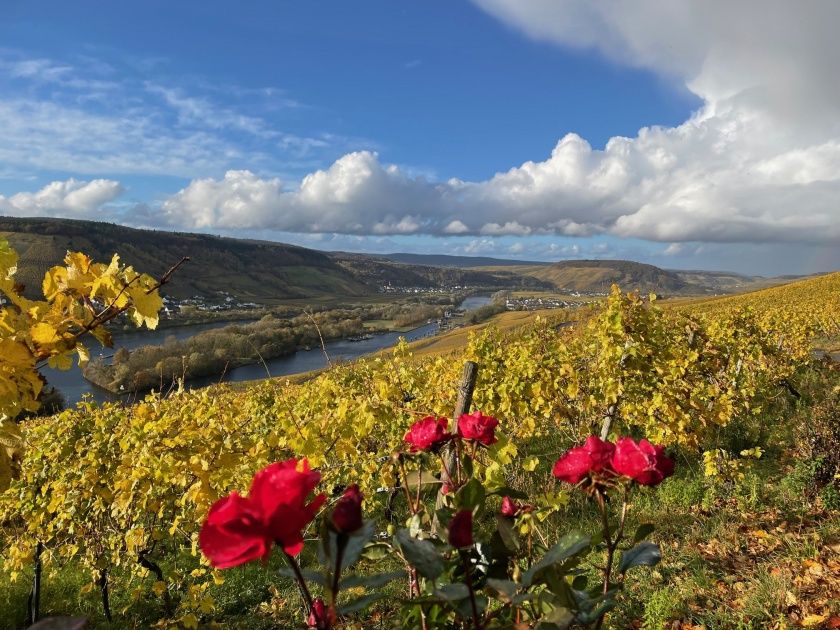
643 462
238 530
347 514
478 427
430 433
593 457
460 530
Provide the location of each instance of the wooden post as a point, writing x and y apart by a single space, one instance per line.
462 406
606 423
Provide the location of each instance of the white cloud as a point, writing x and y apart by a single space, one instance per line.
70 198
87 117
759 161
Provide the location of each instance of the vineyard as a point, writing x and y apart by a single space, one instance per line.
111 499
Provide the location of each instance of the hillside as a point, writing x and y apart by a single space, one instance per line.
260 271
443 260
596 276
729 282
247 269
377 272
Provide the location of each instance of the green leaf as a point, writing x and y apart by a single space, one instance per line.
464 608
571 544
507 532
377 551
471 496
452 592
643 531
370 581
557 619
61 623
308 575
507 491
359 604
644 554
421 554
505 588
355 544
467 465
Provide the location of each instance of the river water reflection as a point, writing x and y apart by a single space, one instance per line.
73 386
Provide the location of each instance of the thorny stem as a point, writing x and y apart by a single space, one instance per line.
304 590
612 543
449 480
419 484
339 556
405 488
468 577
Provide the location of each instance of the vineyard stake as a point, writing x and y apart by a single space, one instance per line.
34 612
462 406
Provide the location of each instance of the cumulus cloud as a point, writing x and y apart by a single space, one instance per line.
758 161
71 198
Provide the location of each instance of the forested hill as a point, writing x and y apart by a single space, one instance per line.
247 269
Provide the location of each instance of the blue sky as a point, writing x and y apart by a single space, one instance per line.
424 126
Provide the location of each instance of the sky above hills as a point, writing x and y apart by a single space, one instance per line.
690 134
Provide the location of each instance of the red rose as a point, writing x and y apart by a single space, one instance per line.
428 433
281 490
319 616
643 462
510 508
478 427
581 461
234 533
238 529
347 514
460 530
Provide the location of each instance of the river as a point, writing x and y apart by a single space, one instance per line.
73 385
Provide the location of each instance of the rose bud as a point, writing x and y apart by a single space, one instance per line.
593 457
460 530
346 517
478 427
510 508
319 617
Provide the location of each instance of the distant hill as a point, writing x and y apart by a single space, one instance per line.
443 260
259 271
596 276
247 269
379 271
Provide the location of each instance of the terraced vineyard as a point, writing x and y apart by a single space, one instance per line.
729 385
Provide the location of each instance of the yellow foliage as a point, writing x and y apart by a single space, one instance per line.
105 482
79 298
